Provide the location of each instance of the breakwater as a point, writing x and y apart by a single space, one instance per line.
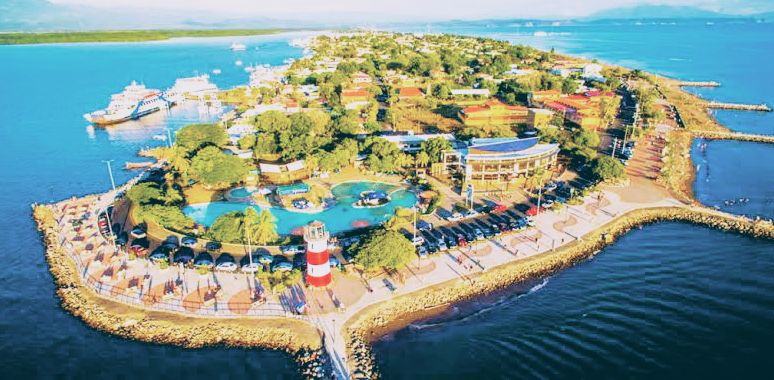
739 106
379 319
699 84
297 338
749 137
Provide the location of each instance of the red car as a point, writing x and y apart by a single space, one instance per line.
532 211
499 208
138 250
461 242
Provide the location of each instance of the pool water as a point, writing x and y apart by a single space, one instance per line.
240 192
337 218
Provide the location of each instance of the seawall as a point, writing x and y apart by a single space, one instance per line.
379 319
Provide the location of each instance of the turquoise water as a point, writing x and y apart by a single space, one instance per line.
668 294
340 217
240 192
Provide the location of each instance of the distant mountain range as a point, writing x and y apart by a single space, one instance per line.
668 12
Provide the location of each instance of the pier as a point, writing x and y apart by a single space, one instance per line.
749 137
739 106
699 84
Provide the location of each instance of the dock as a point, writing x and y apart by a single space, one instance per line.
699 84
739 106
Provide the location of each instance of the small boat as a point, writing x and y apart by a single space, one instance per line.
216 71
238 62
235 46
160 137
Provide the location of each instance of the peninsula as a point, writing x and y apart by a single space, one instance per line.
126 35
379 179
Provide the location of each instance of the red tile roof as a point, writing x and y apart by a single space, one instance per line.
410 92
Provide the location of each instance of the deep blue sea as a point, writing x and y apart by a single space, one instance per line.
670 300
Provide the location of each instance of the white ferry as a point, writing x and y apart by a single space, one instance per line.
238 47
192 87
133 103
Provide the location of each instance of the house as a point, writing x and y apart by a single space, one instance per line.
410 93
593 71
544 96
483 92
493 112
354 98
361 79
578 111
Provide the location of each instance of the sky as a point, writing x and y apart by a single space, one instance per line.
121 14
419 9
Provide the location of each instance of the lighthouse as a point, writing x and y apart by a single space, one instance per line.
318 269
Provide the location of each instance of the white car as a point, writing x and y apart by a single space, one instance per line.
418 240
455 217
251 267
228 266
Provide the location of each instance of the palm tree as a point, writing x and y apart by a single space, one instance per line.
260 228
422 159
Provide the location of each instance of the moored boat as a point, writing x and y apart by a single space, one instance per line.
133 103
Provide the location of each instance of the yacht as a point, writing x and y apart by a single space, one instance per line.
192 87
133 103
216 71
235 46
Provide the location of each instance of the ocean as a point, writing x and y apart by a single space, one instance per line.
671 299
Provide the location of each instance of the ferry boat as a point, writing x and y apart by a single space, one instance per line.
192 87
235 46
133 103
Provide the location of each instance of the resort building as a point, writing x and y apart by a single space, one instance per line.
578 111
542 97
283 173
539 118
411 143
493 112
354 98
491 165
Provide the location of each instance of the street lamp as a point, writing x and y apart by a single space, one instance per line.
110 173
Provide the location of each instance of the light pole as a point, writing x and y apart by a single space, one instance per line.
110 173
169 138
540 196
415 223
615 145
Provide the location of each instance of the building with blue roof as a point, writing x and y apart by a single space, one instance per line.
492 165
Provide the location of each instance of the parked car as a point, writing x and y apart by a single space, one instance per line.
213 246
461 241
333 261
183 255
530 222
171 242
225 262
550 186
158 255
442 245
188 241
499 208
422 252
469 213
451 241
424 226
282 266
418 240
138 233
265 259
292 249
250 264
122 239
479 234
203 260
455 217
389 285
432 248
138 250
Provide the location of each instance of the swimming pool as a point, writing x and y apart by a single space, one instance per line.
340 217
240 192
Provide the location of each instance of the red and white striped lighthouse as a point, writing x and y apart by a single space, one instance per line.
318 269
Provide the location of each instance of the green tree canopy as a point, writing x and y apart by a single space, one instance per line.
607 168
434 147
144 193
272 121
170 217
216 169
194 136
586 138
384 249
227 228
234 227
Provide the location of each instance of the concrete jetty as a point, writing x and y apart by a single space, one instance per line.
739 106
699 84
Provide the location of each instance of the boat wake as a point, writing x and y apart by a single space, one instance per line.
491 306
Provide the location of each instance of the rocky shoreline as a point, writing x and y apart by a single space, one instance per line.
379 319
164 328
